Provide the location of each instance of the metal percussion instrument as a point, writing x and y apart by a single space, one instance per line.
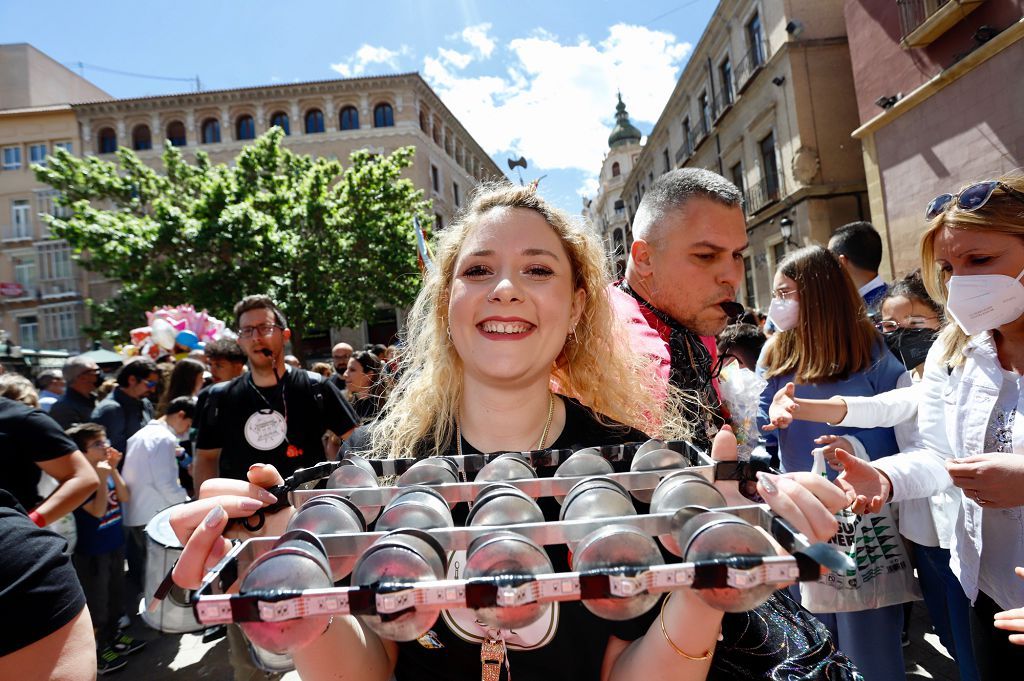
298 561
508 466
508 557
714 534
583 462
618 549
596 498
653 459
683 490
502 504
417 508
330 515
437 470
394 561
173 614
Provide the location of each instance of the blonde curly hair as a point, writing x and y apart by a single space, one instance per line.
598 368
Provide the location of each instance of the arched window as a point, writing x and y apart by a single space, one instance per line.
423 122
141 138
314 121
211 131
383 116
107 141
280 119
349 118
176 133
245 128
616 170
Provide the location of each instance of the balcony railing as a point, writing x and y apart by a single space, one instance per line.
913 13
723 100
684 151
767 191
17 233
751 64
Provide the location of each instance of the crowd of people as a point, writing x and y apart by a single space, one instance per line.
519 340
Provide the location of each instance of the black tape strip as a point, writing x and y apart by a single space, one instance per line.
710 574
362 600
810 570
228 574
594 585
481 593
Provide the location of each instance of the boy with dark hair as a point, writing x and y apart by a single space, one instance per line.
99 553
743 342
859 249
225 358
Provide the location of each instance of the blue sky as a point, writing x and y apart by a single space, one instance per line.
524 77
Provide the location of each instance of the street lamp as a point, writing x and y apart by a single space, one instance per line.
786 228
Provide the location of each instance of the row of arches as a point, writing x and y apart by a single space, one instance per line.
244 128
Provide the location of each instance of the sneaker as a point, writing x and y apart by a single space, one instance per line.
126 645
108 661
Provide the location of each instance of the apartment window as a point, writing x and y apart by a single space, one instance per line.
60 322
21 223
46 204
725 69
280 119
37 154
66 146
245 128
455 194
666 160
176 133
736 174
769 166
750 300
438 222
778 253
435 179
25 273
210 131
349 118
616 170
650 177
686 136
383 116
705 112
28 331
54 260
755 41
141 138
12 158
314 121
107 141
620 207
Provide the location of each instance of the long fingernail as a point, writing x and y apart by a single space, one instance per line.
266 497
215 516
250 504
767 481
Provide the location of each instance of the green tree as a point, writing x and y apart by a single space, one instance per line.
328 243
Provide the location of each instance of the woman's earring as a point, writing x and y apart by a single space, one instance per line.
448 328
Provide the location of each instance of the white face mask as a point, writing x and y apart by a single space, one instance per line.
784 313
982 302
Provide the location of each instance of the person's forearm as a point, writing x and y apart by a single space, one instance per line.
832 410
693 627
123 495
68 496
206 465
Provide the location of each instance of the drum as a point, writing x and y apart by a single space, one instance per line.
174 614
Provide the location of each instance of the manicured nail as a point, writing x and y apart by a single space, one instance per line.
767 481
257 466
250 504
215 516
265 496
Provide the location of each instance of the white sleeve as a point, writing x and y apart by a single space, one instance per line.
883 410
163 465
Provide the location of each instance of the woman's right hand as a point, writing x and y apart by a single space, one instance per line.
200 524
870 485
783 407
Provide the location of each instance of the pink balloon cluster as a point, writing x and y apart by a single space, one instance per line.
170 327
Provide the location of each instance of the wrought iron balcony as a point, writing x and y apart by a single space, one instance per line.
769 190
752 61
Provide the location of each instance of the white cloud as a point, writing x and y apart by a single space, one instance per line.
459 60
589 187
476 36
367 55
555 100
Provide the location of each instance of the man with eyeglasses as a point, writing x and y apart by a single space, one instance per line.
858 246
81 378
127 408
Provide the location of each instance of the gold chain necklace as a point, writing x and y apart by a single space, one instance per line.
543 435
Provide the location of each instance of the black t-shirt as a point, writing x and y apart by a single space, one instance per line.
246 421
778 635
39 590
27 435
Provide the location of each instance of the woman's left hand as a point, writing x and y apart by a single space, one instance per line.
991 480
808 501
1013 620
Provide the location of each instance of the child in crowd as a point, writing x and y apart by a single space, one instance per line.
99 553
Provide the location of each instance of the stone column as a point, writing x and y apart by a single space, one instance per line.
330 115
296 123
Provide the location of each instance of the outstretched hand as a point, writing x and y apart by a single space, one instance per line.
1012 620
783 408
867 486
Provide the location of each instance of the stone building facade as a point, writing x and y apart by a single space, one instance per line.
767 100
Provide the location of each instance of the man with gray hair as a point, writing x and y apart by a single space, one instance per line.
81 377
685 266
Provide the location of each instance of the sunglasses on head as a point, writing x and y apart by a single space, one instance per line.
970 198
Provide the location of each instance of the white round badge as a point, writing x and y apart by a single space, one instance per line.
265 430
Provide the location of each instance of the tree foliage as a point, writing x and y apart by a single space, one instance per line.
329 244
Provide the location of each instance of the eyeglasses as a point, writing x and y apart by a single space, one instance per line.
99 444
970 199
783 293
890 325
262 330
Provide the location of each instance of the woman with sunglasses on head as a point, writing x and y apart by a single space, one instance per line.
970 405
826 344
515 308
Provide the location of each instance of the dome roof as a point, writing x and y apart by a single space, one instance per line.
624 132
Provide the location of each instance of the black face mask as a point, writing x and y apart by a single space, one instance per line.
911 345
